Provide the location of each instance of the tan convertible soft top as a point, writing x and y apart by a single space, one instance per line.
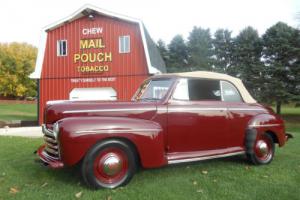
213 75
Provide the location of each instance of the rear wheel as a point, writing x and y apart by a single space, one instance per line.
263 150
109 164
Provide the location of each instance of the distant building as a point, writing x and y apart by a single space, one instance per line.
94 55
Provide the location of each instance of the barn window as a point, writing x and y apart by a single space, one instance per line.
124 44
62 48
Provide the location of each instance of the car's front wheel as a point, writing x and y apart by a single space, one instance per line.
263 150
109 164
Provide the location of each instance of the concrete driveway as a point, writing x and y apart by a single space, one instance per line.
33 132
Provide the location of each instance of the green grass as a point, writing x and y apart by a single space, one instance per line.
291 115
290 110
230 178
18 112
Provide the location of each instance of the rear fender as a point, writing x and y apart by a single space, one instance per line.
270 123
79 134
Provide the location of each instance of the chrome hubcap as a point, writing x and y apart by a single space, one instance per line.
112 165
262 147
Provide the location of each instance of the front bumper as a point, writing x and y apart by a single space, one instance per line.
47 159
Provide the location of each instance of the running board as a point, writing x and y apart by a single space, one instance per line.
176 161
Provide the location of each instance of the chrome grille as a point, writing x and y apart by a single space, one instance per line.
51 143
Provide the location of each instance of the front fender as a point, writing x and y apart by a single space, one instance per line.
78 134
269 123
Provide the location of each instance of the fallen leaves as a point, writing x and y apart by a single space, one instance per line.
195 183
13 190
204 172
78 194
199 191
44 185
109 198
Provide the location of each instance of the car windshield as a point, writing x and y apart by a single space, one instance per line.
154 89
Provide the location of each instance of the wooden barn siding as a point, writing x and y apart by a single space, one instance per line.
122 64
59 88
128 69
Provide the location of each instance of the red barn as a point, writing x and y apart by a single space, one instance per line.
94 55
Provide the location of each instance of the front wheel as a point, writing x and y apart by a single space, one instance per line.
263 150
109 164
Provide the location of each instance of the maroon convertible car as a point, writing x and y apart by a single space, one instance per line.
172 118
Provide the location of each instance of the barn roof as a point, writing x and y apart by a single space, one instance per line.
155 62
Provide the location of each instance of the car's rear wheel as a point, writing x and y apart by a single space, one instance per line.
109 164
263 150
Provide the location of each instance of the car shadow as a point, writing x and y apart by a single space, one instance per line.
72 175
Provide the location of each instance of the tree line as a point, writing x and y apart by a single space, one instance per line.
269 65
17 61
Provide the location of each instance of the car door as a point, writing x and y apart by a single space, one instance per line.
197 117
239 113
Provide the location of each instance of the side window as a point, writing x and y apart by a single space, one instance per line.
230 93
204 90
157 89
198 90
62 47
124 44
181 92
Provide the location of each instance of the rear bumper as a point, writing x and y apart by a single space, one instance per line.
288 136
49 160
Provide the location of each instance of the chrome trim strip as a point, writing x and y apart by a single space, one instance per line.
109 110
120 131
47 131
204 158
49 139
170 109
196 109
246 109
213 109
263 125
49 150
51 158
51 146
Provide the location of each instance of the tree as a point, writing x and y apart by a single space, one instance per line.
178 54
16 63
163 51
282 61
200 49
223 48
246 63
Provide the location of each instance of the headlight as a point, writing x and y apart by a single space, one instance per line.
55 129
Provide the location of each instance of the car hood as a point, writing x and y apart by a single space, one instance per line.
57 110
